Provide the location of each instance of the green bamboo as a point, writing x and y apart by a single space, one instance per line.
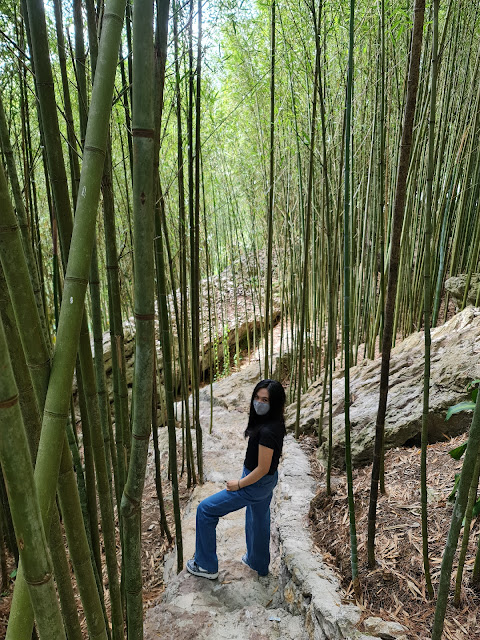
472 497
103 485
397 221
161 286
94 378
89 476
464 484
182 319
72 143
17 276
271 191
3 553
168 381
306 246
31 416
21 214
427 303
346 312
18 472
164 528
195 285
143 203
61 569
71 313
117 341
28 401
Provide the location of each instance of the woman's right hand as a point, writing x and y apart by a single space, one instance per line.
233 485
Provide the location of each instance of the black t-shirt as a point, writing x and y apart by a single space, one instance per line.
268 435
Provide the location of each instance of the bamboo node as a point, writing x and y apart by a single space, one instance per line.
136 436
39 365
142 133
135 503
10 402
37 583
95 149
78 280
113 16
8 228
144 316
52 414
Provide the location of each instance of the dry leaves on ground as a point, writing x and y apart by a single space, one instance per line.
395 589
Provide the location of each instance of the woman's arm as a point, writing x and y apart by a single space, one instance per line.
265 456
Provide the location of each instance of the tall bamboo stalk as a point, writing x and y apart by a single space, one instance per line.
346 308
271 192
306 246
464 484
18 472
397 222
427 302
143 203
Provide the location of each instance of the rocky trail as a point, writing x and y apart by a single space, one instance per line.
300 598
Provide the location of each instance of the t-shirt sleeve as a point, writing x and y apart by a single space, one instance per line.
267 439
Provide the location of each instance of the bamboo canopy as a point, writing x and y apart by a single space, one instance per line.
223 181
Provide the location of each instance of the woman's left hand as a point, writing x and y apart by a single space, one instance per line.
232 485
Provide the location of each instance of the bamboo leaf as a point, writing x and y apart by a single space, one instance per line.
467 405
458 452
476 509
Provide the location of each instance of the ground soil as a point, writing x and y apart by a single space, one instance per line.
395 589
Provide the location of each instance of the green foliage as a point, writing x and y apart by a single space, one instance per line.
458 452
476 509
466 405
451 497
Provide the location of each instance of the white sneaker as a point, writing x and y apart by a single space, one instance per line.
195 570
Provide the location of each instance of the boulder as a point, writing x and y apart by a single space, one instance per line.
235 318
455 361
456 288
385 629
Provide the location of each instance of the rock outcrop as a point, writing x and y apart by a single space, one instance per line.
235 317
455 286
455 361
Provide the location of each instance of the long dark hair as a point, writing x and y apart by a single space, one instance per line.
277 401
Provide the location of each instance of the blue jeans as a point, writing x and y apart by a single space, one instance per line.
256 497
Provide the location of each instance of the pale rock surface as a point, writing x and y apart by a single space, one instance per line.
455 361
456 288
385 630
300 599
232 306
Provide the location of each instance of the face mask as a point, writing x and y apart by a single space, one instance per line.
261 408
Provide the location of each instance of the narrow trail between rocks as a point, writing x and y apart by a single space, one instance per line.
287 603
238 604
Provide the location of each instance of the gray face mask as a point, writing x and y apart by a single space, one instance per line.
261 408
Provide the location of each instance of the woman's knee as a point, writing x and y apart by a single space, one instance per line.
202 508
205 508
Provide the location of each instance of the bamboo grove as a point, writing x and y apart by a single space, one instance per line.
318 159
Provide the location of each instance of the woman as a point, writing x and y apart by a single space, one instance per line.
265 432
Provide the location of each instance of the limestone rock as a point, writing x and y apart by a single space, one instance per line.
385 629
455 361
456 288
234 318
